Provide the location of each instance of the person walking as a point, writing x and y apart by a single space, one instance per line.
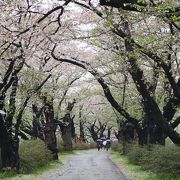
99 144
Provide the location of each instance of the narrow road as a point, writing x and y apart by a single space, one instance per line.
86 165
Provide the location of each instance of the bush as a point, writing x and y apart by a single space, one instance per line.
33 154
60 146
76 146
83 146
166 160
116 147
161 159
137 155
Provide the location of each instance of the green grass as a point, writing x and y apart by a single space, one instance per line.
30 175
47 167
136 172
36 158
7 173
64 154
36 172
12 175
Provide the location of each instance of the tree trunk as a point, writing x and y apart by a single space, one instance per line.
9 148
109 132
37 126
81 129
73 130
9 143
50 127
66 131
67 127
50 139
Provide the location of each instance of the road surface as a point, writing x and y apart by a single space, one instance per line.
86 165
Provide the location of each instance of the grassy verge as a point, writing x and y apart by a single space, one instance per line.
53 164
35 159
135 172
31 175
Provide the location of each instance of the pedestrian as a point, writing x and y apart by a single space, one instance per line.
99 144
104 143
108 144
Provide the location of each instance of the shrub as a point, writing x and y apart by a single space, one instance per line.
76 146
161 159
60 144
83 146
33 154
116 147
136 155
166 160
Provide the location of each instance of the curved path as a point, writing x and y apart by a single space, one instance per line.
86 165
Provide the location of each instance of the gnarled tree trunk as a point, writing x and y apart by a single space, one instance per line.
67 128
50 127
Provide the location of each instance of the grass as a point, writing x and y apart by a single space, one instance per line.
35 159
34 173
12 175
136 172
53 164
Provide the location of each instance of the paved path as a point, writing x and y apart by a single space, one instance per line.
86 165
